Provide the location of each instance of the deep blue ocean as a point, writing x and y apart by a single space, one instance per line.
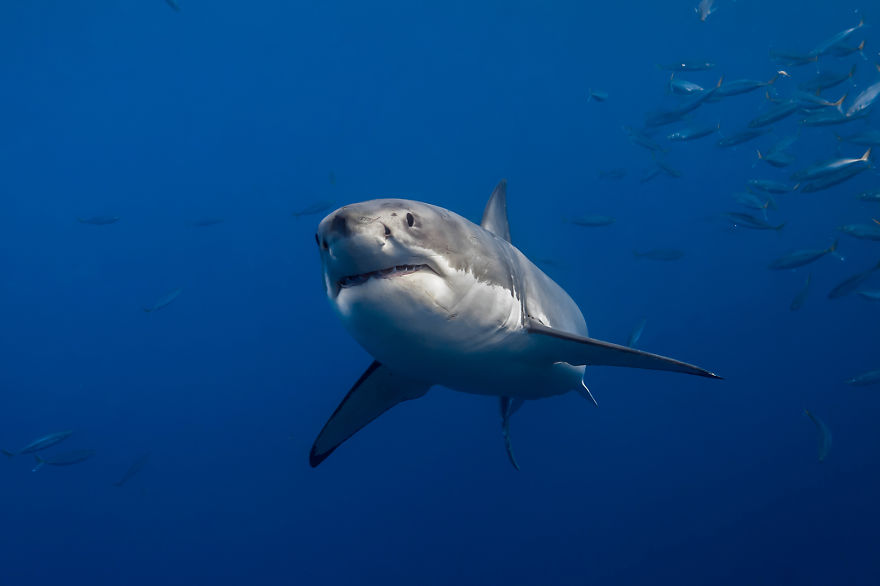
246 112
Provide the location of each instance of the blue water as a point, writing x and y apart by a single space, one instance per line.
241 111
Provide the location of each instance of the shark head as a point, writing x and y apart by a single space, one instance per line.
403 274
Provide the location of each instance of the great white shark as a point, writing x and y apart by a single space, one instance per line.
439 300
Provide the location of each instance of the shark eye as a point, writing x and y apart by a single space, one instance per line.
410 220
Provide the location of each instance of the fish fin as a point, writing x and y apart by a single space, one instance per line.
506 411
833 245
867 155
852 70
7 453
495 214
580 350
585 392
376 391
839 102
759 154
876 221
40 463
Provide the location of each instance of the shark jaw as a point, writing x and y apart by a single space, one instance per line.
389 273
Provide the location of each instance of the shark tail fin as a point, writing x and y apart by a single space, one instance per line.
562 346
376 391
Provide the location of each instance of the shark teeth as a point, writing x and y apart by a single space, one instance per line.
395 271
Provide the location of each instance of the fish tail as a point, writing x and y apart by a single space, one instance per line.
852 70
839 102
867 155
40 463
720 79
7 453
833 245
759 154
876 221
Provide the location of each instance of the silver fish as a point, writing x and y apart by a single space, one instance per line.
164 300
864 100
776 158
826 80
687 66
705 8
828 45
831 180
683 87
64 459
824 435
47 441
867 378
801 296
852 283
778 112
867 137
596 95
750 221
768 186
873 295
741 137
694 132
831 166
801 257
744 86
636 334
792 59
861 231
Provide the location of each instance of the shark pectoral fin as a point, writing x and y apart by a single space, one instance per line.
495 214
565 347
509 407
375 392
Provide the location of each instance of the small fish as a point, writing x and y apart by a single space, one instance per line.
615 174
801 296
596 95
99 220
173 4
792 59
778 112
47 441
704 9
642 139
744 86
870 295
64 459
850 284
205 222
831 117
592 221
826 80
801 257
861 231
867 137
135 467
841 51
831 167
768 186
750 221
868 378
777 158
663 117
873 195
683 87
687 66
755 201
864 100
824 435
666 254
314 208
164 300
825 47
835 178
636 334
694 132
808 102
741 137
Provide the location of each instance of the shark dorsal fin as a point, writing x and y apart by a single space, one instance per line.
495 215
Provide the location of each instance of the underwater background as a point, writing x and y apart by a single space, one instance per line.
171 116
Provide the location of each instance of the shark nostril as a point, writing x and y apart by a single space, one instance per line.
339 225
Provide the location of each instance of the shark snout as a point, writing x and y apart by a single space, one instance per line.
347 228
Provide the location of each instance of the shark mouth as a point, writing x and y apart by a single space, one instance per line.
395 271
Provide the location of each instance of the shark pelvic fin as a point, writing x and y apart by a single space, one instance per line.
579 350
495 215
509 407
376 391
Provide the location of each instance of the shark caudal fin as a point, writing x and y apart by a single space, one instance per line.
377 391
579 350
40 463
495 215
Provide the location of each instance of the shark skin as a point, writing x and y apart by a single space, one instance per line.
438 300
